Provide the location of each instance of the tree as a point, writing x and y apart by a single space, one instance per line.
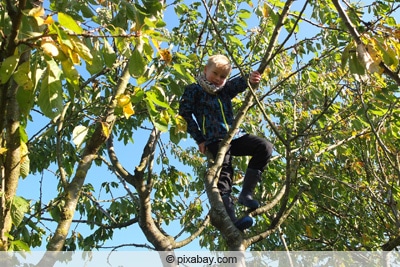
102 72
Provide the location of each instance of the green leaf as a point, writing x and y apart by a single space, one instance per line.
182 69
7 68
391 21
234 40
55 213
96 65
50 98
25 167
137 64
71 73
108 54
346 54
157 98
19 207
19 245
377 111
21 77
68 22
355 65
389 56
244 14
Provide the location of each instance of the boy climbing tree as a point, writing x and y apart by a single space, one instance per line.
209 100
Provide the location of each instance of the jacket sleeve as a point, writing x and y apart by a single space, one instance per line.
236 86
186 106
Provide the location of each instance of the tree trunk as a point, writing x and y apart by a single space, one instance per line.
10 122
9 182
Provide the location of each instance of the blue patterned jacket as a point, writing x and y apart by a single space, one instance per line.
213 114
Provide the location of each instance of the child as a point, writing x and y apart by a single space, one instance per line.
209 100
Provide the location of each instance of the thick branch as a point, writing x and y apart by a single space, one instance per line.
89 154
391 244
276 222
146 222
116 164
196 234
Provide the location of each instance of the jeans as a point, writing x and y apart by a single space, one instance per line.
258 148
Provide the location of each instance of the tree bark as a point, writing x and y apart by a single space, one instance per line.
10 122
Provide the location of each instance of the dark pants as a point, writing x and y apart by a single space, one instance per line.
258 148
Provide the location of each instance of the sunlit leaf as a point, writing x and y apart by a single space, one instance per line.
3 150
21 76
68 22
50 98
124 101
50 48
106 130
165 116
25 166
78 135
71 73
128 110
37 13
181 124
19 207
82 49
7 68
48 20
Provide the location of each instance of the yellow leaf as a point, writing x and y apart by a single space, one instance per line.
105 129
165 115
39 20
265 11
74 57
24 152
128 110
80 48
3 150
123 100
166 56
48 20
181 125
36 11
308 231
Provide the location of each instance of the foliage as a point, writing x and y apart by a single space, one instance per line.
328 101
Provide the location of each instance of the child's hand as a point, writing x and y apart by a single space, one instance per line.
255 77
202 147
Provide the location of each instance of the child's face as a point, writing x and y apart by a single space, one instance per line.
216 75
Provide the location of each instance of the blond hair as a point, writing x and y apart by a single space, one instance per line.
220 61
